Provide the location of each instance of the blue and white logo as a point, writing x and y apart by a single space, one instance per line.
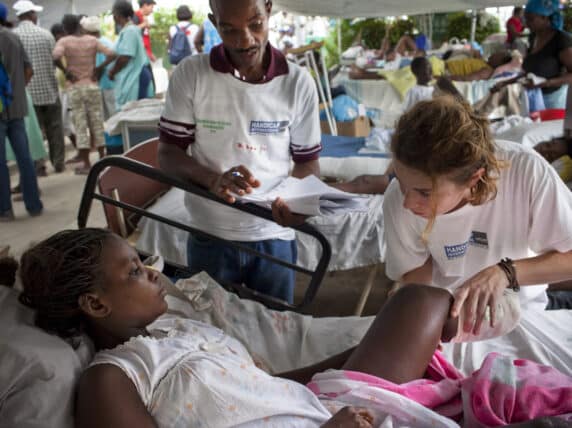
456 251
261 127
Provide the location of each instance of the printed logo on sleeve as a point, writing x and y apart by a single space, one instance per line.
261 127
456 251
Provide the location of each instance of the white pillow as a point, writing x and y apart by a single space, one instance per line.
38 371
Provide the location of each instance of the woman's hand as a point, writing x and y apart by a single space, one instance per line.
472 298
350 417
238 180
283 216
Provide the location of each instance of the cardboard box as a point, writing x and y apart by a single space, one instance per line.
359 127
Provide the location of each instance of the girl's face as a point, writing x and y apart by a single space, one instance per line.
536 22
132 292
419 196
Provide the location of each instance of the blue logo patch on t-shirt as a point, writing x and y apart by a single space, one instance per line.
456 251
262 127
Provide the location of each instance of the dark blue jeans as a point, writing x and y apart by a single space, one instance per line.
145 79
227 264
15 131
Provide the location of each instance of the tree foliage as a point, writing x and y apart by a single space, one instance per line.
459 25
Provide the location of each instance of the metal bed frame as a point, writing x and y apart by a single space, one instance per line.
144 170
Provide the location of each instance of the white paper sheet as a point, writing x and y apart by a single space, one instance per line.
308 196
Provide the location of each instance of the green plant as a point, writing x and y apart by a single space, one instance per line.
459 25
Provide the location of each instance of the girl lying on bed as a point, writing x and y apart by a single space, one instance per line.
153 370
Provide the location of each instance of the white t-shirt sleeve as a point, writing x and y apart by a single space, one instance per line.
177 124
305 133
551 208
405 249
172 31
409 100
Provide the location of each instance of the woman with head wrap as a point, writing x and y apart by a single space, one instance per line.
550 52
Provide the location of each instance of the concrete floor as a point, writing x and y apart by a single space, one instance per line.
61 194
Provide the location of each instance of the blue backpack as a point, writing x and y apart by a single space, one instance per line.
180 46
6 94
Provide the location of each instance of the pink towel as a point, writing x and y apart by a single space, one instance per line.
502 391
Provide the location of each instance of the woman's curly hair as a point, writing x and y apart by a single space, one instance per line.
445 137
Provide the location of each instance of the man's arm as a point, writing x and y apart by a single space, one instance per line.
175 161
28 73
304 169
236 181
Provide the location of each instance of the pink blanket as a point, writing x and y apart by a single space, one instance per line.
502 391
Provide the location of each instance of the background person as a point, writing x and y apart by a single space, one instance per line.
43 87
16 63
184 16
130 72
84 95
550 52
141 19
207 37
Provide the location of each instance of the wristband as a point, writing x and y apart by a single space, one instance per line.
507 266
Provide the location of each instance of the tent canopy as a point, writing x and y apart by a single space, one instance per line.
375 8
55 9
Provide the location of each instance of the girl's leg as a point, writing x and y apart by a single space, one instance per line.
404 335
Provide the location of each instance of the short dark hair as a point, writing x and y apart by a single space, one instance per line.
418 64
123 8
57 29
517 10
184 13
70 23
144 2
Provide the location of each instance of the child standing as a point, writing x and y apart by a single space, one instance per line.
421 68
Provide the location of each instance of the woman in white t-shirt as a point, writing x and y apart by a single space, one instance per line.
475 217
184 16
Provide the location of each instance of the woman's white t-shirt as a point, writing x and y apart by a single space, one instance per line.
531 214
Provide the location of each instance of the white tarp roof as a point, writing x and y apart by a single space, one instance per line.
373 8
55 9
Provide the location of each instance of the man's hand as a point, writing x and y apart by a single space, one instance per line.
472 298
70 76
350 417
98 73
238 180
283 216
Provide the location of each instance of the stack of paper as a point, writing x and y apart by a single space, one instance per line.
308 196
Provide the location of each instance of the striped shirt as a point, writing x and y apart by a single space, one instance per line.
80 53
39 44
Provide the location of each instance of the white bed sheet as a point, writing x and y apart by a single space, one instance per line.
356 238
542 336
530 134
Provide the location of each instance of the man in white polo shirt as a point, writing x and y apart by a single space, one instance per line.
234 120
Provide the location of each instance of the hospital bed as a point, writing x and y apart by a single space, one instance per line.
128 184
38 371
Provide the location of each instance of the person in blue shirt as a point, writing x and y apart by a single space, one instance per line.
131 71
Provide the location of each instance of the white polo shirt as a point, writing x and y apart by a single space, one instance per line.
531 214
223 122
